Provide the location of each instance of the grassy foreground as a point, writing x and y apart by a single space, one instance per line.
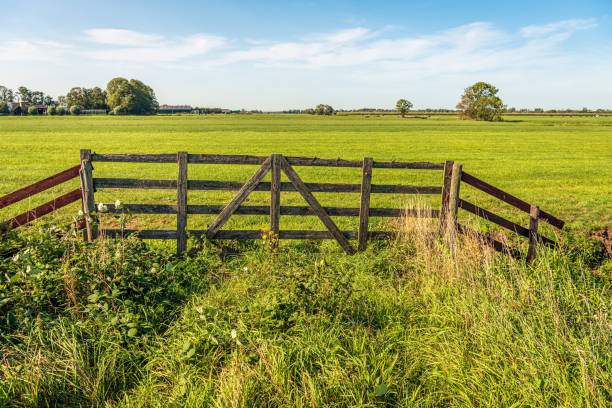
413 323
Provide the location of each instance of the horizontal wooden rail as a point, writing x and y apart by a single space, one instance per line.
258 160
245 234
494 218
510 199
496 245
263 186
265 210
45 209
39 186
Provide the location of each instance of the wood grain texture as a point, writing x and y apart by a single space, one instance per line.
134 158
319 211
510 199
181 204
265 210
246 189
214 185
295 234
39 186
87 191
258 160
445 196
44 209
275 210
364 209
453 200
534 216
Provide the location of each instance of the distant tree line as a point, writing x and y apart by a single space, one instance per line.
320 109
120 97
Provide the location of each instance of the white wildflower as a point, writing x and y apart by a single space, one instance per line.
245 269
233 334
100 207
28 269
117 203
80 213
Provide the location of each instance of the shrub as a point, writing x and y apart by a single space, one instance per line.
75 110
60 110
51 110
32 110
4 107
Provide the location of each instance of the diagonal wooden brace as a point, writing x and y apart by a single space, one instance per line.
244 192
316 207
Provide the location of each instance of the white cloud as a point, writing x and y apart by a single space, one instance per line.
565 26
161 51
126 38
22 50
475 47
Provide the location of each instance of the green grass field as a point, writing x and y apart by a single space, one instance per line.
415 322
562 164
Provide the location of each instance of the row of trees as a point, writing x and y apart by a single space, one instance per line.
26 96
120 97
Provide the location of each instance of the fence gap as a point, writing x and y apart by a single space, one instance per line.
244 192
316 207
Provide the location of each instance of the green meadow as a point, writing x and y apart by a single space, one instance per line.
421 321
561 164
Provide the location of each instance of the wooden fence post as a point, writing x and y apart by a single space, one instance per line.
275 183
181 201
87 191
446 181
534 216
454 197
364 209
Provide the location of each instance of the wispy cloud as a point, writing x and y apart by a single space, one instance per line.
140 47
565 27
474 47
125 38
21 50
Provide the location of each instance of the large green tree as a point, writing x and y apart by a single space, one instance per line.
480 102
403 106
133 97
6 94
25 95
322 109
86 98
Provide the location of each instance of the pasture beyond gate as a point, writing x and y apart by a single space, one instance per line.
451 178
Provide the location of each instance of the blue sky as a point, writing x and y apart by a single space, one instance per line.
279 55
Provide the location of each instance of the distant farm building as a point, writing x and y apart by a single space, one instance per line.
175 109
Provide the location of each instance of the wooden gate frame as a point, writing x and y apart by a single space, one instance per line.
276 164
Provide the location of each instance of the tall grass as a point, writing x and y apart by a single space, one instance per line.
425 321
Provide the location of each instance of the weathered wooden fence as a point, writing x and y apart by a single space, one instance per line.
275 164
36 188
452 178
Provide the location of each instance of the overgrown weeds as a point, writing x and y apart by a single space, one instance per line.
422 321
